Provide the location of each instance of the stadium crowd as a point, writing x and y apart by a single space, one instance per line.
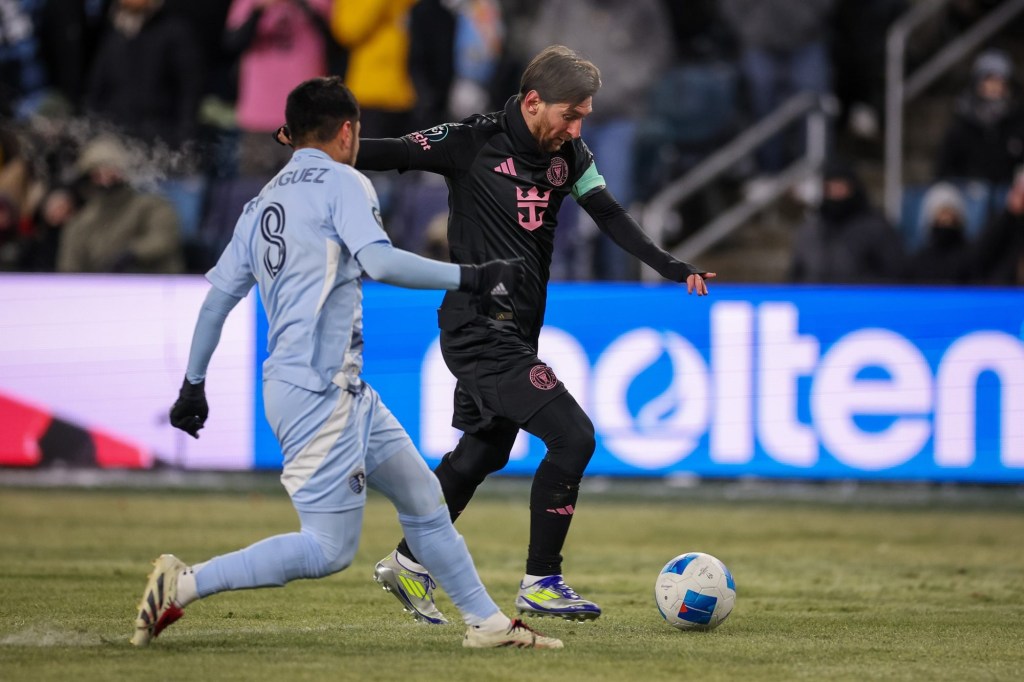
133 131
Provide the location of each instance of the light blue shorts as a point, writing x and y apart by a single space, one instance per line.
331 441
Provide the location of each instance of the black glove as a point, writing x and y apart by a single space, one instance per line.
190 410
493 278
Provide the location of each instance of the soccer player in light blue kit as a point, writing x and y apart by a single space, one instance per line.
306 241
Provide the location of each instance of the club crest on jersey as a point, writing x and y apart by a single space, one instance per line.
534 202
558 171
357 482
543 377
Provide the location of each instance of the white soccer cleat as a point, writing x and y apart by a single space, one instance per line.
158 607
519 635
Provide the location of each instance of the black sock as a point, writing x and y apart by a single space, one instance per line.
457 490
552 502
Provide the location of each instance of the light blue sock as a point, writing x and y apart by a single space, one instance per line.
268 563
437 545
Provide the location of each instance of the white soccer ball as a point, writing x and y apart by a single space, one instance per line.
695 591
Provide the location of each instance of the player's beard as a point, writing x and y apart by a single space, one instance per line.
553 144
547 140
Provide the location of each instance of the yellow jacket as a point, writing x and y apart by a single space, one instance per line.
376 34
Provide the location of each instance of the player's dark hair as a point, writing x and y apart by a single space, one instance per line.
560 75
317 108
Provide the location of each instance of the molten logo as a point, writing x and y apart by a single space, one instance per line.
534 202
771 391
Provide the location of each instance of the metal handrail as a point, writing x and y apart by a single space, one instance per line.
901 88
658 212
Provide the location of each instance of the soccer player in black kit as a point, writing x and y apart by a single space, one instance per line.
507 174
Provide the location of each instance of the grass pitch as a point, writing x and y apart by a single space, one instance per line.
825 592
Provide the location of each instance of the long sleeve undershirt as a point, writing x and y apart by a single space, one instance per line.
614 221
212 315
385 263
390 153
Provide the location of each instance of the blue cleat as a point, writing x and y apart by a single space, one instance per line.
551 597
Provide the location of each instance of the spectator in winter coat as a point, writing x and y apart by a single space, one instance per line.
279 44
783 51
118 229
945 256
986 138
847 240
859 29
432 26
1001 244
376 34
38 250
147 75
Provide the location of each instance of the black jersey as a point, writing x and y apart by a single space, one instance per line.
504 193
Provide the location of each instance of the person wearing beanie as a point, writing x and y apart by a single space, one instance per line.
985 140
945 255
119 228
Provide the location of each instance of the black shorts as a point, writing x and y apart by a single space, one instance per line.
499 376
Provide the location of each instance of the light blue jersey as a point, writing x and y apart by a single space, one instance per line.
297 240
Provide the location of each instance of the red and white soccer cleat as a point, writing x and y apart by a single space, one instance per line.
158 607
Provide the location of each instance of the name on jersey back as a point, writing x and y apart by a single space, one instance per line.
300 175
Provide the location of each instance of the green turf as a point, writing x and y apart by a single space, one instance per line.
826 592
